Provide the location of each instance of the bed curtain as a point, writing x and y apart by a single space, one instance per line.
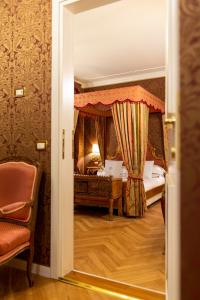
100 135
76 113
131 125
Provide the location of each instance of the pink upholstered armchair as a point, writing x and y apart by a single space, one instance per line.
19 185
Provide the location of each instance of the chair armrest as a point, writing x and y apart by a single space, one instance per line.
14 207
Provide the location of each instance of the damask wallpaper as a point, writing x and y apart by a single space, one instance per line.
190 147
155 133
25 61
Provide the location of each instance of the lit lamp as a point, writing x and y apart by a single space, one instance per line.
95 149
95 153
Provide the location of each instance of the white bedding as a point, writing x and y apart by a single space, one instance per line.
153 182
115 169
150 183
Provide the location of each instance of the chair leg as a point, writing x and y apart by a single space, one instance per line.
29 266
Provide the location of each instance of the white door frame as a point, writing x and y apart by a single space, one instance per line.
173 182
62 107
62 231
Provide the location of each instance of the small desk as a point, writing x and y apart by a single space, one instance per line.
98 191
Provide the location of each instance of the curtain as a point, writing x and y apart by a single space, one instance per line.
166 142
74 151
76 113
100 134
131 125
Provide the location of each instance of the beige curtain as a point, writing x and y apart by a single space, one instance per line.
76 113
74 154
131 125
100 134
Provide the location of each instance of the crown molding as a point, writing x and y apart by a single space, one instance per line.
123 77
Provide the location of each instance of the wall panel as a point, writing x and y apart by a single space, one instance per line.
25 60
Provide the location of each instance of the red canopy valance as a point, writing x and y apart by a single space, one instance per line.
108 97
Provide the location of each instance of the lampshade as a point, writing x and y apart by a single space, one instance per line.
95 149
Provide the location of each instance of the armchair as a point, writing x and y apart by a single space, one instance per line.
19 185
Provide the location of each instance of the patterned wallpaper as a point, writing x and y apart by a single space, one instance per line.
155 133
190 148
25 60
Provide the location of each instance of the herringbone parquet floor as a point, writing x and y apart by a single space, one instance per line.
14 286
129 250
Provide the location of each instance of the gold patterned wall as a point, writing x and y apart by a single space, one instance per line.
190 148
25 60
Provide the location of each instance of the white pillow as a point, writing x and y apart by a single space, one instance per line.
148 168
113 167
101 172
158 170
124 173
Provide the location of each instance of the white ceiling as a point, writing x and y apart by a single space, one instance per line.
119 42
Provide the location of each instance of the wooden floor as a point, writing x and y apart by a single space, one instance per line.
129 250
13 286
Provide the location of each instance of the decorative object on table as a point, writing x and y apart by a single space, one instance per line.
95 154
95 162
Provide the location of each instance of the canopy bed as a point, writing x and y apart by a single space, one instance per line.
130 108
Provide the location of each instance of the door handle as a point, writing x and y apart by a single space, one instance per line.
63 144
170 121
173 152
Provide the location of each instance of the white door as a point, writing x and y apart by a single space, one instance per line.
172 182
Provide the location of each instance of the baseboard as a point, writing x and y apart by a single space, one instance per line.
36 269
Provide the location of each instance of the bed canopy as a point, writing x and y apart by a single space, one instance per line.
135 94
130 108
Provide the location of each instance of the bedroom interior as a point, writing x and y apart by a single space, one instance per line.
99 173
31 56
119 231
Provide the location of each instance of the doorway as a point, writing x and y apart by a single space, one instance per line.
63 254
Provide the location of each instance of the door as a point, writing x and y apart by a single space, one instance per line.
62 162
171 129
